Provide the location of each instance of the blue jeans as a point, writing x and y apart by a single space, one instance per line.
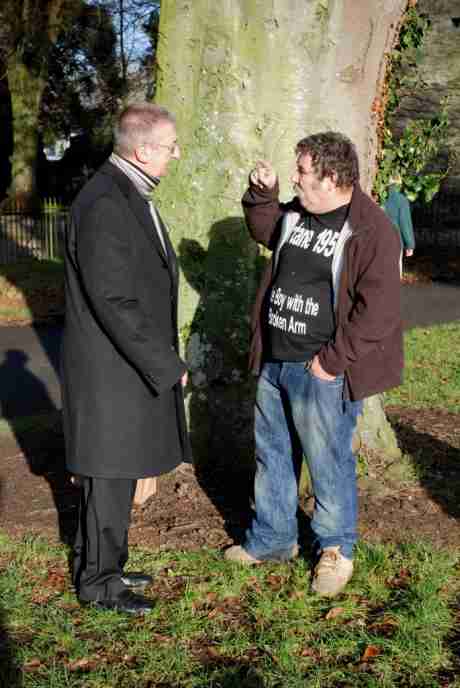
297 413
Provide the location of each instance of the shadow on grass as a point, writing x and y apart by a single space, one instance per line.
235 675
436 460
10 675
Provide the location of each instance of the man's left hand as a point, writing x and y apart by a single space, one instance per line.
318 371
184 379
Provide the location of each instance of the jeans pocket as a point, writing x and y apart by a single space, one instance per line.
336 382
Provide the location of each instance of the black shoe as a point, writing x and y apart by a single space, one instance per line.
127 602
136 580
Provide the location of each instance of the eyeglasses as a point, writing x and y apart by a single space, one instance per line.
171 148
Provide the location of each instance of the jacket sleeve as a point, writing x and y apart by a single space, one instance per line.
104 256
264 213
376 305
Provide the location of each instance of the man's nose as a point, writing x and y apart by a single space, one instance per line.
176 153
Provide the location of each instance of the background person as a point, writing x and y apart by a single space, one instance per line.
397 208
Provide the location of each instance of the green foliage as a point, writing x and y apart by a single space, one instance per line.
409 156
84 87
406 56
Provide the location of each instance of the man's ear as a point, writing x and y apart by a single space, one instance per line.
143 153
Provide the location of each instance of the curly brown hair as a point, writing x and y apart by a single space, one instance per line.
332 155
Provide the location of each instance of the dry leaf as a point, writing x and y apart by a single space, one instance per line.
32 665
42 596
370 652
130 660
386 626
334 613
161 638
84 664
308 652
275 582
401 580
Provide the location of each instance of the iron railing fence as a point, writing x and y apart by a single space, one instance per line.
40 234
32 234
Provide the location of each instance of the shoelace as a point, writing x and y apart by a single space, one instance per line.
327 561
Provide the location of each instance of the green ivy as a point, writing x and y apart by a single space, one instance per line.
421 140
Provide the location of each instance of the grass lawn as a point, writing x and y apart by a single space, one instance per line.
217 624
432 372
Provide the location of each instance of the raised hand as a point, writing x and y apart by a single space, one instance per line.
263 175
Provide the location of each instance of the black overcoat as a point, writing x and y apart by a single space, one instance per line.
123 404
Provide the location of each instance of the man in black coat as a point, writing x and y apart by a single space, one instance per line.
122 376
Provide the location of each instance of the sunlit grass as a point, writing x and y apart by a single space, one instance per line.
432 370
218 624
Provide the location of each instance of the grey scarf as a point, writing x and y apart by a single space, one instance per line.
145 185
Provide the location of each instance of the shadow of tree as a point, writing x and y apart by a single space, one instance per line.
10 674
220 393
236 674
24 393
43 453
434 456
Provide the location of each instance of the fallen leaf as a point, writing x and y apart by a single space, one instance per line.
309 652
370 652
275 582
385 627
42 595
401 580
161 638
32 665
68 606
130 660
334 613
84 664
231 602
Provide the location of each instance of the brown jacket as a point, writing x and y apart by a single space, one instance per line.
367 344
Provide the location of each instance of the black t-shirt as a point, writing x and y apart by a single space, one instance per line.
299 311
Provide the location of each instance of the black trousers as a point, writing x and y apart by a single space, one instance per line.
101 543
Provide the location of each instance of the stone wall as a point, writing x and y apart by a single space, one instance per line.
439 71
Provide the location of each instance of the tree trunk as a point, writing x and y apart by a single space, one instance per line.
27 70
26 91
246 80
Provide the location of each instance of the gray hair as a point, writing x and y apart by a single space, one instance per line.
136 125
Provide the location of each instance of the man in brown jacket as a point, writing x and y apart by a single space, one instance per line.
326 334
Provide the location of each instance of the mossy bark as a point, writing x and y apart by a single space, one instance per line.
247 80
